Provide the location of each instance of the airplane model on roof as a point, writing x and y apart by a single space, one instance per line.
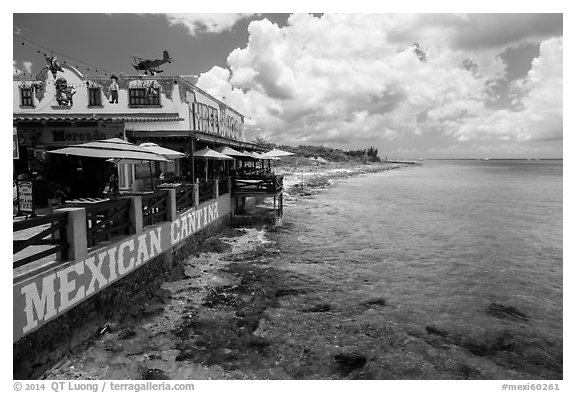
151 65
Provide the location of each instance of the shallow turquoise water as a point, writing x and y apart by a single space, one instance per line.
442 243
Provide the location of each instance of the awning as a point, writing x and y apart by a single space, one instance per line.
142 118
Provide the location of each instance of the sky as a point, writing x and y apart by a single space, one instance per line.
428 85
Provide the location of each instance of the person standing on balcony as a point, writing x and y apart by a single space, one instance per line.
113 90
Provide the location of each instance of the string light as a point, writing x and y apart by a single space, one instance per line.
45 50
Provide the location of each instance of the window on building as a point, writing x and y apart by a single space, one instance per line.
144 96
95 96
125 176
26 96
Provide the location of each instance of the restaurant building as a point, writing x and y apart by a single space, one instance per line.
68 108
88 256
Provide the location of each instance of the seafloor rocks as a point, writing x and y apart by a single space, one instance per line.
506 312
349 362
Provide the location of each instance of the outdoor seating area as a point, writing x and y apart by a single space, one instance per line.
148 201
103 219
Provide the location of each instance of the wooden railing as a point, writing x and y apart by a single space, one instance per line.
206 190
223 186
102 219
184 197
154 207
257 184
56 231
107 219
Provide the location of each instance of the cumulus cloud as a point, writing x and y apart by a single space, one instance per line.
349 78
206 23
26 66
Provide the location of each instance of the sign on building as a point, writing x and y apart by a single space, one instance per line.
25 201
15 150
225 124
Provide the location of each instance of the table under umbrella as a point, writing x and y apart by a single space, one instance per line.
113 148
232 153
209 154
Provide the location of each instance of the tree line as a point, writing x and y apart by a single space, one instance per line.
369 154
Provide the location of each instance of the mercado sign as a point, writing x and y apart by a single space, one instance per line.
44 297
55 136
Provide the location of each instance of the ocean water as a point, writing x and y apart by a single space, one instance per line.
472 249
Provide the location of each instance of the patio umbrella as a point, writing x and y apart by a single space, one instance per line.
210 154
249 156
154 148
231 152
111 148
277 153
259 157
114 148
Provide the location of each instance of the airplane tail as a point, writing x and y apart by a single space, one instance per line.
166 56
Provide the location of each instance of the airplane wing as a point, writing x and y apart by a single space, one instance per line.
138 58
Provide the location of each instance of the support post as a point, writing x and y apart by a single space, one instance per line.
135 213
196 194
192 158
171 213
216 188
76 235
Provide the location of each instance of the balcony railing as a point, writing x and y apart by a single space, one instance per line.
107 219
185 197
154 207
206 190
257 184
40 237
223 185
87 222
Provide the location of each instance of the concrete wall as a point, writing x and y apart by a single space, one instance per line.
51 307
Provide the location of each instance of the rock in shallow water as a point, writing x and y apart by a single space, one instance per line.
348 362
506 312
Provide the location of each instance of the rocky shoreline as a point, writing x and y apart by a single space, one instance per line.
209 322
241 309
309 180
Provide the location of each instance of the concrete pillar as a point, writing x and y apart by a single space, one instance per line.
135 212
76 233
216 188
196 194
171 214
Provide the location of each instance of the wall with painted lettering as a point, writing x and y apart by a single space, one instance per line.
42 298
